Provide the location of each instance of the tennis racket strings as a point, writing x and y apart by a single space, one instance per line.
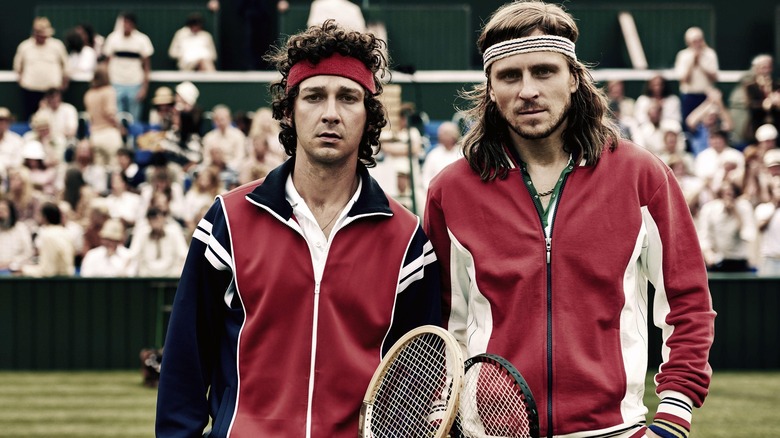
495 401
418 391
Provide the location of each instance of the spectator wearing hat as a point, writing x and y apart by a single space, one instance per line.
10 142
43 176
112 258
100 102
766 137
54 246
161 114
129 52
192 46
55 146
40 63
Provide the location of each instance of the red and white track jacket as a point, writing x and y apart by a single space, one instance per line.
570 312
264 350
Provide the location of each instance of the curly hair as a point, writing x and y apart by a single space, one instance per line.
313 45
588 129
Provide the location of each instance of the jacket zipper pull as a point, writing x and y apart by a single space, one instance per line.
548 242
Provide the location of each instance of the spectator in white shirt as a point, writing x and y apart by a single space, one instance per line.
10 142
226 137
696 67
111 258
193 47
158 246
444 153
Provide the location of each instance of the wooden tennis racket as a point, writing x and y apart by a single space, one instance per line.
495 401
414 391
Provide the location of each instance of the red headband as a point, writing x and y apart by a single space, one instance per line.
336 65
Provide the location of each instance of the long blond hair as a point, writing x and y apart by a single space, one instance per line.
588 130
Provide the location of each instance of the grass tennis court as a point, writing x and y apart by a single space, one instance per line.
115 404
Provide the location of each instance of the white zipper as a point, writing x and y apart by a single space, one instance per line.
309 403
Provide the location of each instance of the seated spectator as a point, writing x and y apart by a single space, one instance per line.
226 137
712 114
134 175
163 180
161 115
768 222
192 46
25 197
264 125
54 246
228 175
766 138
158 247
657 90
756 179
650 134
95 217
121 203
763 95
446 151
10 142
260 162
63 117
112 258
54 146
94 175
673 144
691 185
205 189
727 230
43 176
75 230
16 244
719 158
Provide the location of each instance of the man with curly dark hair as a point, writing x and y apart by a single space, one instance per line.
297 284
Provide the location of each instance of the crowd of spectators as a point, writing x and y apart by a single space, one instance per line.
82 194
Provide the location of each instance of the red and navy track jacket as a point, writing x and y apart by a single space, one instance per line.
570 311
262 349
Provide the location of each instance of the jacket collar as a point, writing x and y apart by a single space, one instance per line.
271 194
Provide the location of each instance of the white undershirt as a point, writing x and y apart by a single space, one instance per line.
312 233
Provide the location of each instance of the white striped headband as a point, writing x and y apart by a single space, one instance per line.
539 43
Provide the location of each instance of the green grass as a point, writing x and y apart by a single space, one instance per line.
115 404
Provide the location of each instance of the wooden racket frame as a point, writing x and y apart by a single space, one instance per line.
451 344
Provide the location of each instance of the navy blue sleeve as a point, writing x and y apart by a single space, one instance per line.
191 348
419 292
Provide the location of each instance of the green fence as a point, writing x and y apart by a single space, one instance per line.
76 323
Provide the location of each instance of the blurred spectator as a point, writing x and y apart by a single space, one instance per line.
91 39
343 12
54 146
112 258
673 145
121 202
727 230
192 46
260 21
134 175
264 125
766 137
228 175
657 90
710 115
44 177
40 61
714 164
82 58
260 162
650 133
756 179
74 228
621 108
95 216
763 95
691 185
129 52
696 67
100 102
444 153
161 114
63 117
26 199
16 244
204 190
158 247
768 222
56 255
162 180
95 175
226 137
402 146
10 142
